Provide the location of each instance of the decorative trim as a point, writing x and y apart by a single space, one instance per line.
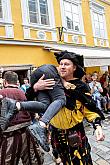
26 33
84 40
41 35
75 39
105 1
65 37
54 36
9 31
54 45
107 43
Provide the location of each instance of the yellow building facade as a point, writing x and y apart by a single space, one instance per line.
32 30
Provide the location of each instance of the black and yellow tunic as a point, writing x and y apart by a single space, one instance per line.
69 120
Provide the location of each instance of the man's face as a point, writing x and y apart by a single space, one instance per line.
66 69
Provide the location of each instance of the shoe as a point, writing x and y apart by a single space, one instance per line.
8 109
39 133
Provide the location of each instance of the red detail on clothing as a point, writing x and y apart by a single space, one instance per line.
16 94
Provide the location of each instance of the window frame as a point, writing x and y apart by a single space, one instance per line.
25 16
78 3
100 12
1 18
7 16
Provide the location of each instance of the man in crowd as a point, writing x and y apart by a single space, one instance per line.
16 142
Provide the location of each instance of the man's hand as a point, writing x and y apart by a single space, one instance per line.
99 133
42 84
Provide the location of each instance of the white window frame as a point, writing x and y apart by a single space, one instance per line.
2 10
25 15
102 12
6 20
78 2
6 11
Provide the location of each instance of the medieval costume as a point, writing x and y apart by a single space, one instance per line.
68 138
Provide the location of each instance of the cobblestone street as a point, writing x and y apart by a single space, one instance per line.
100 150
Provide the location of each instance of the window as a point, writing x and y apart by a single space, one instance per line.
98 21
1 12
38 12
72 16
99 25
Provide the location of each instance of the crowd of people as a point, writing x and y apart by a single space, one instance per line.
99 85
63 97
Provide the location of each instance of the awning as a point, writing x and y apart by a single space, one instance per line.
92 56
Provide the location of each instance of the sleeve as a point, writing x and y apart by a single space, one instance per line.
92 117
82 94
90 104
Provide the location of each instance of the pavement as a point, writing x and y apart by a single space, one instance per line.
100 150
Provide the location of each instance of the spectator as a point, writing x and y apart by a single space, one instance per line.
16 141
96 90
26 84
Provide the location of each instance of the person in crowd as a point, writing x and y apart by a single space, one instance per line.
50 101
96 90
53 100
106 100
88 78
16 141
26 84
69 142
103 79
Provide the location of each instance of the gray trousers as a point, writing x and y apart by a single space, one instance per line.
49 101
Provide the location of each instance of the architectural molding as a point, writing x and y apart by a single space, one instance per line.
105 1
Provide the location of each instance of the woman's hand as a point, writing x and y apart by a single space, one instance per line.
42 84
99 133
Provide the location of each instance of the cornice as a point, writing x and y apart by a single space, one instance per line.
105 1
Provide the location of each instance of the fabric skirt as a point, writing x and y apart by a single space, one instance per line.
77 155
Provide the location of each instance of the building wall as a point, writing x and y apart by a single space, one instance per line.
17 51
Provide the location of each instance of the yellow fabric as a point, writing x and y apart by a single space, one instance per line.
66 118
89 115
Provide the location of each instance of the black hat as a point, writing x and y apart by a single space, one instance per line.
76 59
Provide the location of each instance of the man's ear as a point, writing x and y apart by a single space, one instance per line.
74 67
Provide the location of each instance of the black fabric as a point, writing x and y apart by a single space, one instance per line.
80 94
61 148
48 70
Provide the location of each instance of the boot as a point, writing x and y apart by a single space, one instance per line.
40 134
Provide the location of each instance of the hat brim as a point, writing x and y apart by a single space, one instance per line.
79 72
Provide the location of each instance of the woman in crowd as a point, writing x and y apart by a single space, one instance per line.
69 142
